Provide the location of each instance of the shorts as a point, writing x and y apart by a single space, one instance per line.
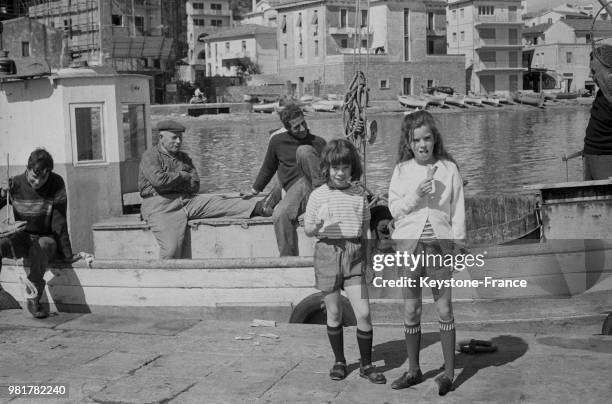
338 263
431 268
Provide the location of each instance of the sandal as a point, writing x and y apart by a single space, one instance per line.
338 371
407 380
369 372
444 384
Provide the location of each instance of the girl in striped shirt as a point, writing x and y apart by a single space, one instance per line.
426 200
338 215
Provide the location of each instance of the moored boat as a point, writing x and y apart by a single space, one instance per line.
473 100
568 96
491 101
435 100
529 99
265 108
456 101
410 101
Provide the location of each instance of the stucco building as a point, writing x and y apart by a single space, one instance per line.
204 17
318 43
230 51
563 49
488 33
263 13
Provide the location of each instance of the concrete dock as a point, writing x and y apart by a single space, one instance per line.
549 350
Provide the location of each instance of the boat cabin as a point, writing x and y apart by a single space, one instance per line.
96 125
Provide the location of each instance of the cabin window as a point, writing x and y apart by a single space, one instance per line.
134 131
87 133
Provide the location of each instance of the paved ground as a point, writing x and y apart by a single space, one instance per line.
138 360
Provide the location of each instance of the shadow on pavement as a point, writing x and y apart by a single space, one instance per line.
509 349
394 354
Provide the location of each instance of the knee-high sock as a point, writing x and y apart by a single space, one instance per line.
364 340
447 339
413 345
336 339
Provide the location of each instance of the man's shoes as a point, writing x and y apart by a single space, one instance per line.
444 384
265 207
36 309
406 380
369 372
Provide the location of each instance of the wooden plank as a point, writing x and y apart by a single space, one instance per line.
186 278
573 184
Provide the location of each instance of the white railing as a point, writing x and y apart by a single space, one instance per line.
497 18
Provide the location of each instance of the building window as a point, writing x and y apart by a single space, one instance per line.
201 55
215 6
488 56
216 23
284 25
430 47
300 49
384 84
343 18
25 49
364 18
285 50
299 20
454 36
430 83
486 10
116 20
316 48
430 20
87 133
134 133
568 57
535 40
454 15
364 43
463 35
139 23
461 13
198 6
550 20
588 37
487 33
407 86
198 22
406 34
227 47
244 46
344 43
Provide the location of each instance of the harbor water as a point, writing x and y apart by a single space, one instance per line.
498 151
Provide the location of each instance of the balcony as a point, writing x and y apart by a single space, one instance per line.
497 19
348 31
200 13
498 67
486 44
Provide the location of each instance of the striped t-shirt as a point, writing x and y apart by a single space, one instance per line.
347 211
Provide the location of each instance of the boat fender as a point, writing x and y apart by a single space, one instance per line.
606 329
311 310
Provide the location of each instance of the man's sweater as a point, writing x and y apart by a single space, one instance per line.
43 209
598 139
281 157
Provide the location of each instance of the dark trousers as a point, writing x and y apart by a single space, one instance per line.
286 213
597 167
39 249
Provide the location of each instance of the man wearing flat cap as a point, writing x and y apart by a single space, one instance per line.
169 185
294 155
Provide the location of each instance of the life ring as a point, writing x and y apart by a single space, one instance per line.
311 310
606 329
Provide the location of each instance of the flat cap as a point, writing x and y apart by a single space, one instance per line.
170 126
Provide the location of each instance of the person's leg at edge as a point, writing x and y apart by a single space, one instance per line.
285 217
335 334
443 299
597 167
